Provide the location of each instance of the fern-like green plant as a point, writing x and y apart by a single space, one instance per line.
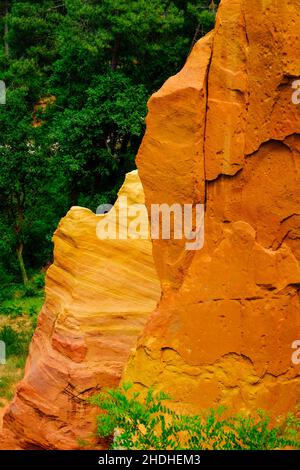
146 423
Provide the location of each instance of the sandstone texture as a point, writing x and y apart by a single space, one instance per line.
98 296
225 131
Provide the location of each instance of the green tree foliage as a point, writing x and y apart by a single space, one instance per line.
99 60
148 423
30 183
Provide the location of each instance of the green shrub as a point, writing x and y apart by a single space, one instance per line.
30 290
35 286
39 281
5 385
16 342
12 311
147 423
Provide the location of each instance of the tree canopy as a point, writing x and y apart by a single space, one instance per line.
78 75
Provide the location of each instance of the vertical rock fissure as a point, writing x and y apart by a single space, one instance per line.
206 89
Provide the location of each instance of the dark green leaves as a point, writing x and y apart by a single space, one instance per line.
144 422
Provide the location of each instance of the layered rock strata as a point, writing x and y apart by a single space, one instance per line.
98 296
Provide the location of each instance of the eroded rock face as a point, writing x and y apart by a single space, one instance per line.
225 131
98 296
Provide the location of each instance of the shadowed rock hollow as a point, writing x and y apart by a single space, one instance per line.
223 132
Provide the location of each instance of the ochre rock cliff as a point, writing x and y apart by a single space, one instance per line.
223 132
98 296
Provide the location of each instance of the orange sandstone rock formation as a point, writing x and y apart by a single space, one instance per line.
225 131
98 296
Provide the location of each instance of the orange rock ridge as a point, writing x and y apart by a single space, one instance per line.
228 316
98 296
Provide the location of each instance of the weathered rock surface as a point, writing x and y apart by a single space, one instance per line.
225 131
98 296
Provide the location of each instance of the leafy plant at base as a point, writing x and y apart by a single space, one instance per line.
137 423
